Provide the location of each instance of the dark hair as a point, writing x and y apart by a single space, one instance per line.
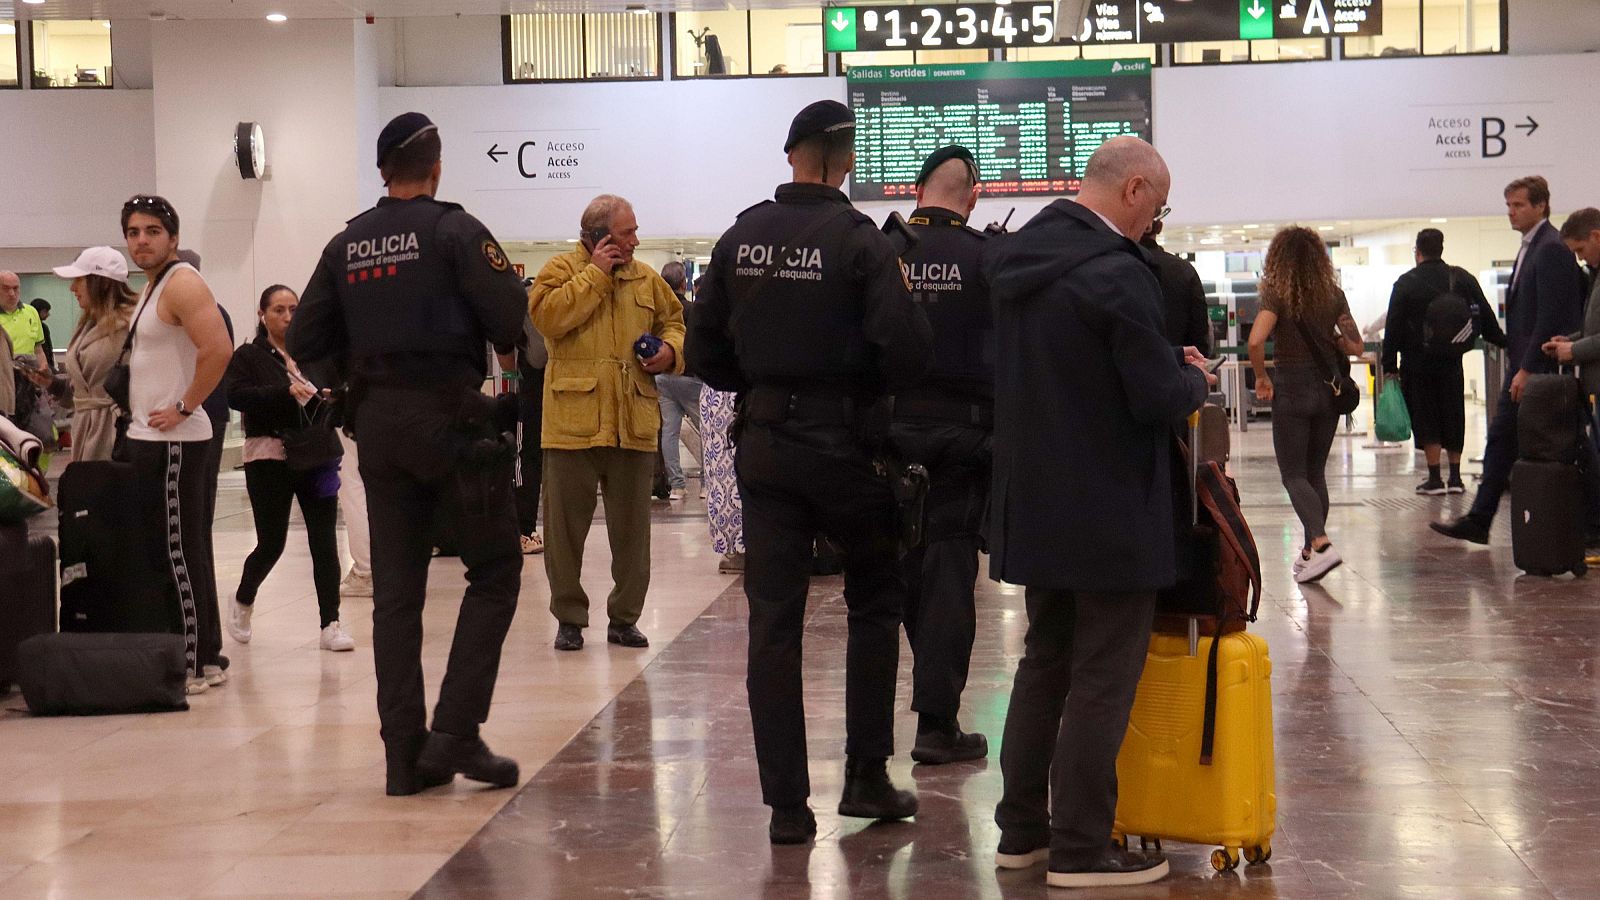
266 301
675 277
1581 224
151 205
413 161
830 150
40 303
1538 190
1430 243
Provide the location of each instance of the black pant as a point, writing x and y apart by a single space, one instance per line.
1499 455
941 572
412 462
530 417
1083 656
1435 397
797 479
170 482
273 486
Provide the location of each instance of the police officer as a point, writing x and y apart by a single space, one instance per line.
406 296
805 312
943 423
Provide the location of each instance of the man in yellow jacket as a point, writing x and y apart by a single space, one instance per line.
601 413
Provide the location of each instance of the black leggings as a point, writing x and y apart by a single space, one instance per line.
272 485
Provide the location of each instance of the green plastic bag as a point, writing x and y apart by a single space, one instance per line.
1393 421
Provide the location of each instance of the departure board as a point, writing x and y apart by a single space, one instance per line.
1032 126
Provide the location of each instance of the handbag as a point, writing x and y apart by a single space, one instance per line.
1346 396
314 444
119 378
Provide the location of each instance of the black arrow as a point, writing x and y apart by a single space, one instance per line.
1530 125
495 152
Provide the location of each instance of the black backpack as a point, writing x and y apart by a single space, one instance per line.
1450 324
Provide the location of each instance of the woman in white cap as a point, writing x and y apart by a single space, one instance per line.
100 282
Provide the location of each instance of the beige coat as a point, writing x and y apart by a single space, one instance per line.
8 377
596 394
90 355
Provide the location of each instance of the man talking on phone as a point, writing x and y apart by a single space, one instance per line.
611 324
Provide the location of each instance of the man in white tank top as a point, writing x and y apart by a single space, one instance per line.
180 351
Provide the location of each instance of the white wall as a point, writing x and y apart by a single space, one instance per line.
442 50
71 158
1552 26
309 84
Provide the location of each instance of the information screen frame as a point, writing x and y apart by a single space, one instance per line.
1031 125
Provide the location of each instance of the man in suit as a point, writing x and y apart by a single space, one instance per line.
1085 383
1545 300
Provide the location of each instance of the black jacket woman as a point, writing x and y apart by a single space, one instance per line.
1307 317
274 396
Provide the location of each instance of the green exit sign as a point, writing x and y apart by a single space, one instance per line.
1255 20
839 25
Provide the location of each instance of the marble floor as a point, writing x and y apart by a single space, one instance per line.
1437 731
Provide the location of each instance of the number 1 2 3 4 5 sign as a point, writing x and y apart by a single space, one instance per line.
949 27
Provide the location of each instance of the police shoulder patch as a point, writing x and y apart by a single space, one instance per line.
495 256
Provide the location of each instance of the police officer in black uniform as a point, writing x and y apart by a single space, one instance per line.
406 298
943 423
806 314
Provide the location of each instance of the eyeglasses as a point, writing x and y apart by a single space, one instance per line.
141 202
1161 213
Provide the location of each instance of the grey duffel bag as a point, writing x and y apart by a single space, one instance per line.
101 674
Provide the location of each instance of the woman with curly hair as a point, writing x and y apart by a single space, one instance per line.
1305 314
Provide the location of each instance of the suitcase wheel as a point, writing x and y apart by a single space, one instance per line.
1146 844
1256 856
1225 859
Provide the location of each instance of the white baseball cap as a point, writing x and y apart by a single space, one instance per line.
102 261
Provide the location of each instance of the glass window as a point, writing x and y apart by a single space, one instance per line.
1085 51
1289 50
578 47
8 53
71 53
1402 33
909 57
712 43
785 42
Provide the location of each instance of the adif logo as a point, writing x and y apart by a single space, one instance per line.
1116 67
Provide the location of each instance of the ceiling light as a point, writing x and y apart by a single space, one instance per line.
33 2
1251 227
1324 227
7 28
1438 221
277 17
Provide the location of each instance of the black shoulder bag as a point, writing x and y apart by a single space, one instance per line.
1346 397
313 444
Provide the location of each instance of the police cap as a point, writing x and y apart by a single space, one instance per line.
821 117
943 155
402 130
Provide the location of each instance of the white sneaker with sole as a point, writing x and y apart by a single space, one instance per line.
356 585
1321 563
194 686
215 676
239 622
334 638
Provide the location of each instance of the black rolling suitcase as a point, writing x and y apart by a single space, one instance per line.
1551 418
109 579
27 593
1547 517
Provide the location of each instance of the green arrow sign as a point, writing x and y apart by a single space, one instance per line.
840 27
1255 20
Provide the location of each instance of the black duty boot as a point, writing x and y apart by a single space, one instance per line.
792 825
569 637
404 778
1465 528
448 753
868 793
940 742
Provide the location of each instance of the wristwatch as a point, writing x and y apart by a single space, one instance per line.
184 410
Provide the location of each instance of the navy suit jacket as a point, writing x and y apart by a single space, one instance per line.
1546 299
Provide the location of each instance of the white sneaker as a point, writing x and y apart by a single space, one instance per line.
239 622
356 585
215 676
675 494
1321 563
334 638
1299 563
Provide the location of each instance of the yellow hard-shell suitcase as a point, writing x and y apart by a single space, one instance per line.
1164 792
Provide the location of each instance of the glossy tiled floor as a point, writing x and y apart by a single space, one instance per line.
1437 717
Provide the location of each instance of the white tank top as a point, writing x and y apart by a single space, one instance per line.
162 368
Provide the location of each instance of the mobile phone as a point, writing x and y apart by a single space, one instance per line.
594 236
1212 365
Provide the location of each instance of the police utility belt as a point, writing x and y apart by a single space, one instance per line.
944 411
770 405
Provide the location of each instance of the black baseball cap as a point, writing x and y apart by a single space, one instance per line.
943 155
821 117
402 130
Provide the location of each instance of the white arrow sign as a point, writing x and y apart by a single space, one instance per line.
1256 10
839 22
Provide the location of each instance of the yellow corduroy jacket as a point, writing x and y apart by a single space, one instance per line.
596 392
